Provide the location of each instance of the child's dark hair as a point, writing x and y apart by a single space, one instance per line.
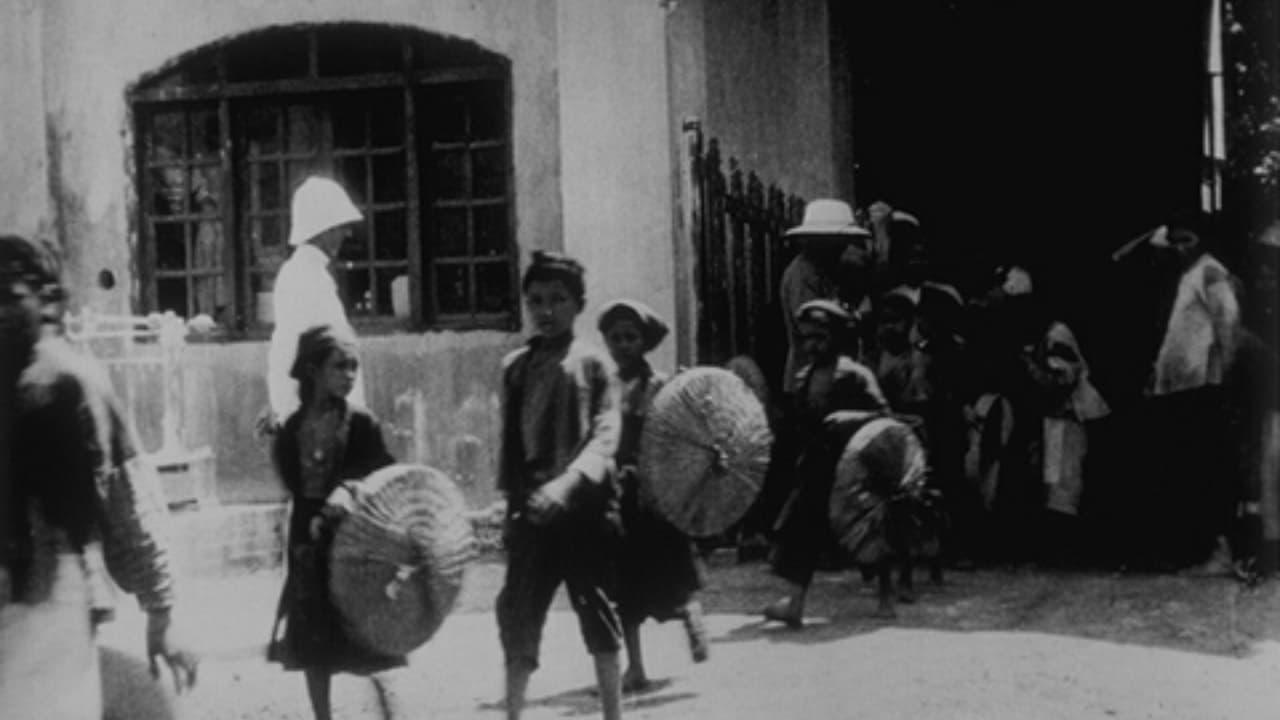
551 266
314 346
33 260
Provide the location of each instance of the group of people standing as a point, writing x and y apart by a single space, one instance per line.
572 416
999 390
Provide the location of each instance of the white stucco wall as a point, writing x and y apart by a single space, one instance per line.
24 207
94 50
591 158
615 144
759 74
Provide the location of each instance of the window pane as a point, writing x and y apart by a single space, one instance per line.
354 50
260 308
208 295
491 230
266 186
168 190
168 136
357 290
267 233
386 119
452 289
299 170
271 55
389 236
446 116
206 189
261 127
302 130
353 176
490 172
206 244
384 304
450 232
389 178
356 247
171 294
493 291
171 246
400 283
348 123
488 111
206 136
449 179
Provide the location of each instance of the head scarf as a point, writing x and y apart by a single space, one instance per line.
550 266
35 261
652 327
315 344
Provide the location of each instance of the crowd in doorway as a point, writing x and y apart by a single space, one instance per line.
1033 462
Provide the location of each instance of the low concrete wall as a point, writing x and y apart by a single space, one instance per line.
438 396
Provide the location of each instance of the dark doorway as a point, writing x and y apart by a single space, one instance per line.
1043 133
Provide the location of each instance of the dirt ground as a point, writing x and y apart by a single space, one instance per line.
988 644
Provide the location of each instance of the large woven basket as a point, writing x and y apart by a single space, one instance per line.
398 558
704 450
882 458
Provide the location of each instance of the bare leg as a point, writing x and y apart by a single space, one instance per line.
384 696
906 581
318 682
635 678
696 631
885 608
609 678
517 685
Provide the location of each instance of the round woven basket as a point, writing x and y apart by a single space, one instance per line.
398 558
704 450
882 458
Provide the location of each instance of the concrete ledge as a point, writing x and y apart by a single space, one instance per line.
228 539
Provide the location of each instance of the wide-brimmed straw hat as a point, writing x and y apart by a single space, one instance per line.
704 451
398 559
828 218
319 204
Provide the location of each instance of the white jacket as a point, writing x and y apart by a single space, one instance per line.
305 296
1201 336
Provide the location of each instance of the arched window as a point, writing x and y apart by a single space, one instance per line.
415 126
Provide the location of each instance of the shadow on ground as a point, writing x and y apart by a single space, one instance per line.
1215 615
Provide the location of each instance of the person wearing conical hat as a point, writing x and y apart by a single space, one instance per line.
659 572
827 230
834 396
305 294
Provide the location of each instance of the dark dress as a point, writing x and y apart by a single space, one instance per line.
308 632
659 571
803 531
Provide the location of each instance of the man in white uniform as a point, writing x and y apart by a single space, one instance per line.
305 292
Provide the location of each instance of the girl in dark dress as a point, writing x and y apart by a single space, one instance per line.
320 452
659 569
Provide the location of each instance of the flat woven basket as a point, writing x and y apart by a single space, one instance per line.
398 558
882 458
704 450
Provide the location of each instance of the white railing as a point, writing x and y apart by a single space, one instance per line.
139 352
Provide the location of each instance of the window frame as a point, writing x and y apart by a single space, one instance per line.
151 95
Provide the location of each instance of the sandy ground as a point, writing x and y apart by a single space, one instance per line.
990 644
